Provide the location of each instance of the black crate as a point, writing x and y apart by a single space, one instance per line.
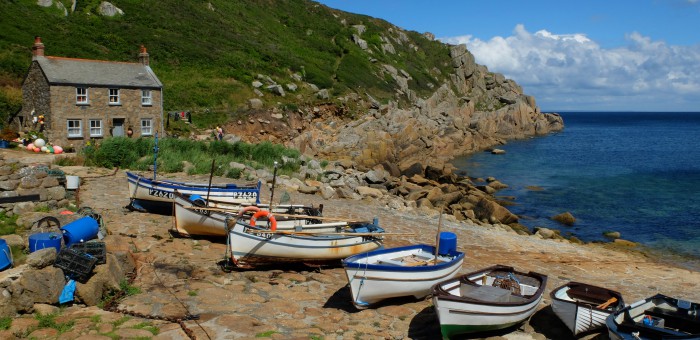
96 249
75 264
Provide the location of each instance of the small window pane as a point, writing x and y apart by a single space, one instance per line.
113 96
81 95
95 128
146 127
146 98
75 128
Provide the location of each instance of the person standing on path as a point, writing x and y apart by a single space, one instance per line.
219 133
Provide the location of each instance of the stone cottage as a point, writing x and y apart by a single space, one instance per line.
72 101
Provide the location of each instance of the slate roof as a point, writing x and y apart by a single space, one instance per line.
70 71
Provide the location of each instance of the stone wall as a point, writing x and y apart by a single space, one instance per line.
17 179
35 97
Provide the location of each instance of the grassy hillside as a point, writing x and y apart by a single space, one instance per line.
207 53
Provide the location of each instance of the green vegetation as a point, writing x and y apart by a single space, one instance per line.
5 323
8 224
138 154
49 321
265 334
207 53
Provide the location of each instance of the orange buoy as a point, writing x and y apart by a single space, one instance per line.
264 213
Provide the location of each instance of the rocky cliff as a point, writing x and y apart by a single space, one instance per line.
476 109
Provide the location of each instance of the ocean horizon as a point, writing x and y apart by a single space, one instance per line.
637 173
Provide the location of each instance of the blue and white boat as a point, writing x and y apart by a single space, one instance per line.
657 317
158 195
402 271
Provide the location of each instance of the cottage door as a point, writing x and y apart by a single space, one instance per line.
118 127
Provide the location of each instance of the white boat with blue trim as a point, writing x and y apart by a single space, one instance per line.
157 195
402 271
252 244
656 317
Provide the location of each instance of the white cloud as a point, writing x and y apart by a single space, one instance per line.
572 72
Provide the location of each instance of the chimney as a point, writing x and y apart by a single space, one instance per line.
38 48
143 56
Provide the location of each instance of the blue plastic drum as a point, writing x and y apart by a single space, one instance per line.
81 230
448 243
5 255
45 240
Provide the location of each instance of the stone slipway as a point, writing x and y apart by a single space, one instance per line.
180 276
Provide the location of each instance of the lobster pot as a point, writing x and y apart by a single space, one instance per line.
5 255
80 230
448 243
40 241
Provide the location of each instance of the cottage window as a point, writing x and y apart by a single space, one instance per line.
75 128
81 95
146 97
114 97
146 127
95 128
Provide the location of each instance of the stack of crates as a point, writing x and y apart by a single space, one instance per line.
75 264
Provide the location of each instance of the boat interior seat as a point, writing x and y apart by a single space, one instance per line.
391 262
489 293
676 319
588 296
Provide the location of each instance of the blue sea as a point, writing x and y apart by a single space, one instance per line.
632 172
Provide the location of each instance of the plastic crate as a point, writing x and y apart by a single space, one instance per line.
75 264
96 249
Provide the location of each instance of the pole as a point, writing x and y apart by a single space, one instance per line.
211 175
155 157
272 190
437 239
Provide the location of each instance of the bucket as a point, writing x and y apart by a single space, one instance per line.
72 182
80 230
44 240
448 243
5 255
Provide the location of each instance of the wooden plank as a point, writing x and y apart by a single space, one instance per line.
23 198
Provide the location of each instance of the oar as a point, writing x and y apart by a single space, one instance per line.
606 304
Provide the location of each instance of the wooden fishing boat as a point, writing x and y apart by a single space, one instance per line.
583 308
657 317
194 217
494 298
157 195
403 271
250 244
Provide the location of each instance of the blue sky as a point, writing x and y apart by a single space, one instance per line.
617 55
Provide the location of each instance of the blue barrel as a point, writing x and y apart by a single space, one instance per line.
44 240
80 230
198 200
448 243
5 255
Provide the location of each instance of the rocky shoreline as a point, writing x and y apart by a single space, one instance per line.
178 277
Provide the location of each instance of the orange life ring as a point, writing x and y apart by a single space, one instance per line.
247 209
264 213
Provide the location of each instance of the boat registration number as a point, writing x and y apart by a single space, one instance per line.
258 233
160 193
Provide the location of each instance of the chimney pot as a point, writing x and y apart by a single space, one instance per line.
143 56
38 48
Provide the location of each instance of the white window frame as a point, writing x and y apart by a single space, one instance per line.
114 97
146 97
74 128
81 93
146 127
95 127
